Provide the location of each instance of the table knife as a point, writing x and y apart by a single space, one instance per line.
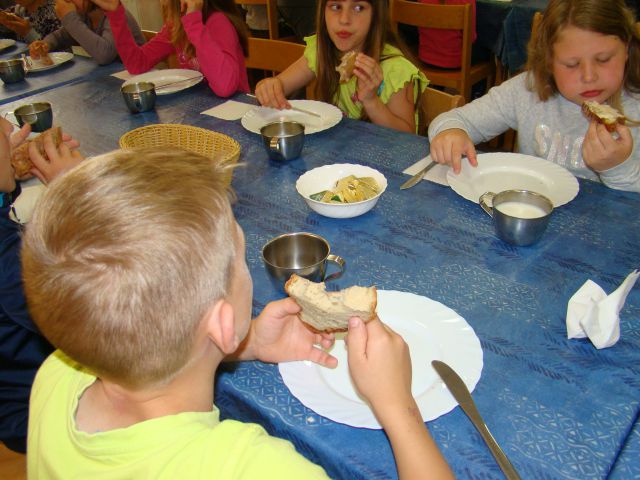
417 177
461 393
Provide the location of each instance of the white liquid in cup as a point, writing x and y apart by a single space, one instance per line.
521 210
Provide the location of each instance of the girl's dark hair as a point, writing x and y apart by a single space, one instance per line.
607 17
171 14
328 56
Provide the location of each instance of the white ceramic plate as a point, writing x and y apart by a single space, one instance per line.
6 43
432 331
58 59
507 171
325 178
258 117
180 79
23 207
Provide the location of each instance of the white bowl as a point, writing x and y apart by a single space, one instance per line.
325 178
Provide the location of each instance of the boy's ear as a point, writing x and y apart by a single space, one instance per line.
221 327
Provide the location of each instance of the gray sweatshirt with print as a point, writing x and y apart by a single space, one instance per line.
99 43
554 129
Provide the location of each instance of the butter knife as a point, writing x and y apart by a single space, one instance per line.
461 393
417 177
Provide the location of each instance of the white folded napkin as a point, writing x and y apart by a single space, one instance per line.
437 174
594 314
229 110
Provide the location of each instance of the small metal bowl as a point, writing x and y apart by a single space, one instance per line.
12 71
139 97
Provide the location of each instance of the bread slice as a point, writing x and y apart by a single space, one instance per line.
330 311
347 64
20 156
604 114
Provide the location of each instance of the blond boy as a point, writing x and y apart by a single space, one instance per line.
141 279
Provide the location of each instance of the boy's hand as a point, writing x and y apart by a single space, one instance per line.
59 159
107 5
449 146
369 75
278 335
602 151
270 93
380 365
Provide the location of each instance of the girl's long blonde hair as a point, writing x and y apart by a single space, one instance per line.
171 15
608 17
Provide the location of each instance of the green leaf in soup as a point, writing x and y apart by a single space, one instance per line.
318 196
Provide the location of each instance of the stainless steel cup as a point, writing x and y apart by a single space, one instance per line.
39 115
12 71
139 97
302 253
283 140
520 217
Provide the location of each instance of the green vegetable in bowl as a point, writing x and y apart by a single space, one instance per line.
349 189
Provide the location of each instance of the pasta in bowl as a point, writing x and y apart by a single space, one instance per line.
341 190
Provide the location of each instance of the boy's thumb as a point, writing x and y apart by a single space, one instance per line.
357 337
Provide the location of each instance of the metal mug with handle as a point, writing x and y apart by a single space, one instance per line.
39 115
283 140
305 254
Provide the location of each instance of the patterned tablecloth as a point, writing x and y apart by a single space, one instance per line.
560 408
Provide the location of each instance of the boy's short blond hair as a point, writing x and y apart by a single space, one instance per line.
123 257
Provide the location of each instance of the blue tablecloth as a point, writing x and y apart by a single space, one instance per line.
80 68
559 408
505 28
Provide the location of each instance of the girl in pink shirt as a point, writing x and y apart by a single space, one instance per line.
206 35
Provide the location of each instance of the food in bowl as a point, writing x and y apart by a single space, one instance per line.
349 189
326 177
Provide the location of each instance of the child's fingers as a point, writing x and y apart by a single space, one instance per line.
357 341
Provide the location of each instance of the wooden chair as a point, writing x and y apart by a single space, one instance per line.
535 24
273 55
434 102
447 17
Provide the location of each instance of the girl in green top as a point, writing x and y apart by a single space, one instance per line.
385 85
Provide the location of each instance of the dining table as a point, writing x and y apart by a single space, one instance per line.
504 27
560 408
76 69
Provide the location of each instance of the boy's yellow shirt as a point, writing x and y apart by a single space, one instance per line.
189 445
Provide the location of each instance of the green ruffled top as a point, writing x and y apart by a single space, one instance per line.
397 72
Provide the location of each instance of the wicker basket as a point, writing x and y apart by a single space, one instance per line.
200 140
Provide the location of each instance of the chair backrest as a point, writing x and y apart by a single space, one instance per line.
274 55
272 14
434 102
446 17
436 16
148 34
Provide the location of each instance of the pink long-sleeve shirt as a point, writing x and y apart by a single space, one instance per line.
218 56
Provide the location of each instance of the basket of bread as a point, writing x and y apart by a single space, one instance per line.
215 145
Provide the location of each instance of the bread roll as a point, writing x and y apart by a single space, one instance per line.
20 156
330 311
347 64
604 114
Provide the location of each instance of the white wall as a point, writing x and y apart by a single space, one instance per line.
146 12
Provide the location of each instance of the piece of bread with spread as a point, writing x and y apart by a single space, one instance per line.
40 51
347 64
20 156
604 114
330 311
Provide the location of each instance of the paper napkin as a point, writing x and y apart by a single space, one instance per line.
122 75
594 314
229 110
437 174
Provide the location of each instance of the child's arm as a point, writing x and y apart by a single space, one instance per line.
380 367
278 335
273 91
398 112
